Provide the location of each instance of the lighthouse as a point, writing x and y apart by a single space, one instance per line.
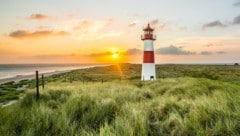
148 66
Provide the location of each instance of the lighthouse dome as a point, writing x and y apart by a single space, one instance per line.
148 28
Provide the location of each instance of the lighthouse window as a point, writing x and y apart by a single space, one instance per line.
151 77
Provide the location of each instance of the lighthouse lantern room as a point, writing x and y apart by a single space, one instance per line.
148 66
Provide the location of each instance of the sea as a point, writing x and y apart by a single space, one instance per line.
17 70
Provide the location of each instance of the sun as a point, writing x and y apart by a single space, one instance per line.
115 55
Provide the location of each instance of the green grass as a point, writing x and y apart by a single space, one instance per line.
173 106
231 74
182 102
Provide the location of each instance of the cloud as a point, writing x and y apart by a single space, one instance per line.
93 25
40 17
132 25
236 4
158 25
210 44
129 52
60 33
173 50
42 27
236 20
216 23
154 22
99 54
206 53
221 52
133 51
95 30
83 25
36 34
53 56
107 35
161 26
210 53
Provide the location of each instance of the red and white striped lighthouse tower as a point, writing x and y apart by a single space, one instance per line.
148 66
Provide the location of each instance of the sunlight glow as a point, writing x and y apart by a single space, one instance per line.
115 55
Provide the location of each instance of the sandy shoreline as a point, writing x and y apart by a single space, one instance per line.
29 77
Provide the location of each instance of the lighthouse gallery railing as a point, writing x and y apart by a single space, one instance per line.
148 36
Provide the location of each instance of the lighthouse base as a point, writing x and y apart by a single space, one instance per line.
148 71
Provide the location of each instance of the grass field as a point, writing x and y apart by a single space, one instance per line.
185 100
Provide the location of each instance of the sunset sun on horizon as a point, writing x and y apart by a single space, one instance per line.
115 55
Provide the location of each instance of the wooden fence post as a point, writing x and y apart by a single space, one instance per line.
42 81
37 86
70 78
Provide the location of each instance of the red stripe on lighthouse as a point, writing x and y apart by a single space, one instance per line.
148 57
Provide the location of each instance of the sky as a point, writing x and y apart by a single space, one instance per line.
94 31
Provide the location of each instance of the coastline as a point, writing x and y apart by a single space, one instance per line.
18 78
29 77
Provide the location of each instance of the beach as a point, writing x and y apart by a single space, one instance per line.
18 72
29 77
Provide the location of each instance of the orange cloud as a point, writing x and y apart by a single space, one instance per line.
128 52
94 30
132 25
123 56
26 34
93 25
40 17
99 54
83 25
53 56
42 27
154 22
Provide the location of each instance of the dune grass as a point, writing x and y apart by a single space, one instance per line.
10 91
185 100
169 106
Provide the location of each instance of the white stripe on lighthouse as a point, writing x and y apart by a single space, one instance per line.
148 45
148 70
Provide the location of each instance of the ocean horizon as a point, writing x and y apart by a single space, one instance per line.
19 70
